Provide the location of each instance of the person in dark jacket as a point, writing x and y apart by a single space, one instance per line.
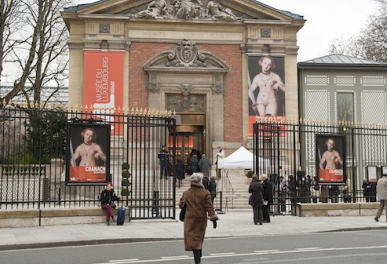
333 193
212 188
164 162
256 199
206 182
194 166
107 197
267 197
180 171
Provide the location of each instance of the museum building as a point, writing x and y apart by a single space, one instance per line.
218 64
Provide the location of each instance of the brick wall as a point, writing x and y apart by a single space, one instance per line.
140 53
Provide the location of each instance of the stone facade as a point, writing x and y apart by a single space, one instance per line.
187 48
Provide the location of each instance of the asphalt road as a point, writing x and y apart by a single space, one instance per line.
336 247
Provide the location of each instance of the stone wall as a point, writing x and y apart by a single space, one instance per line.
337 209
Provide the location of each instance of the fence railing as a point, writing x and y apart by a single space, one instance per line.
33 153
294 150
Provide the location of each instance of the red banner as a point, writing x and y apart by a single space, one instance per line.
103 85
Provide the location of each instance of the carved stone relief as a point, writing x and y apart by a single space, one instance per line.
180 103
186 55
184 9
153 85
186 89
218 86
104 28
265 32
163 69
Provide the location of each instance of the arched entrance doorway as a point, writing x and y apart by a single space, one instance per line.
190 124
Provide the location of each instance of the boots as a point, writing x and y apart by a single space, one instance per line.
107 223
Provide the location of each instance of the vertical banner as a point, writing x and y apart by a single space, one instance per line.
372 174
88 154
330 159
104 85
266 89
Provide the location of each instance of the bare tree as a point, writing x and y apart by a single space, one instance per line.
10 13
38 47
371 43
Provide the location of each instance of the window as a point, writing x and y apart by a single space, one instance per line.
345 109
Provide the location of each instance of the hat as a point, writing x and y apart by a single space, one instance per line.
109 183
164 146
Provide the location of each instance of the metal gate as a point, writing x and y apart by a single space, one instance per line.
151 195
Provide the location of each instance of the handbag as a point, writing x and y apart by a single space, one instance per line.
183 209
113 205
251 200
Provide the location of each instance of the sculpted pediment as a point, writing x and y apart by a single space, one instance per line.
207 10
186 56
185 59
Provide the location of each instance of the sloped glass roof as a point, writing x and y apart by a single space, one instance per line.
342 59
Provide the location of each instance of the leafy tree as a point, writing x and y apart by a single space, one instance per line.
371 43
46 134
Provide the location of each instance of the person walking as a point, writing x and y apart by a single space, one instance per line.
180 172
212 188
107 197
205 165
256 199
267 197
198 204
206 182
193 165
381 190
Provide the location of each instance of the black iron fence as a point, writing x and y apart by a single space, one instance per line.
33 152
291 154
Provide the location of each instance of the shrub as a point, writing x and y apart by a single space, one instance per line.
249 174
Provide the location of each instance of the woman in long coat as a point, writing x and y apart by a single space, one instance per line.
180 171
198 202
256 199
194 164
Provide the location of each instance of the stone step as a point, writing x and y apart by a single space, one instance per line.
236 200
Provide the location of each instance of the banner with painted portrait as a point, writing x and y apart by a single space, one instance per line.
330 159
266 89
88 155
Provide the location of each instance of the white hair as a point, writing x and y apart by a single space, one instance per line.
196 177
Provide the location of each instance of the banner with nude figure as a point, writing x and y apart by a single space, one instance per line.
88 154
266 89
330 159
103 88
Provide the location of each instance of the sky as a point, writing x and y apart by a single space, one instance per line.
327 21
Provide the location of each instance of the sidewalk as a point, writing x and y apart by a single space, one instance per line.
232 223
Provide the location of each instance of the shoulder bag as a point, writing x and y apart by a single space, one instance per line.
183 209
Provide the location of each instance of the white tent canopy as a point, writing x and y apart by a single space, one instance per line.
241 159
